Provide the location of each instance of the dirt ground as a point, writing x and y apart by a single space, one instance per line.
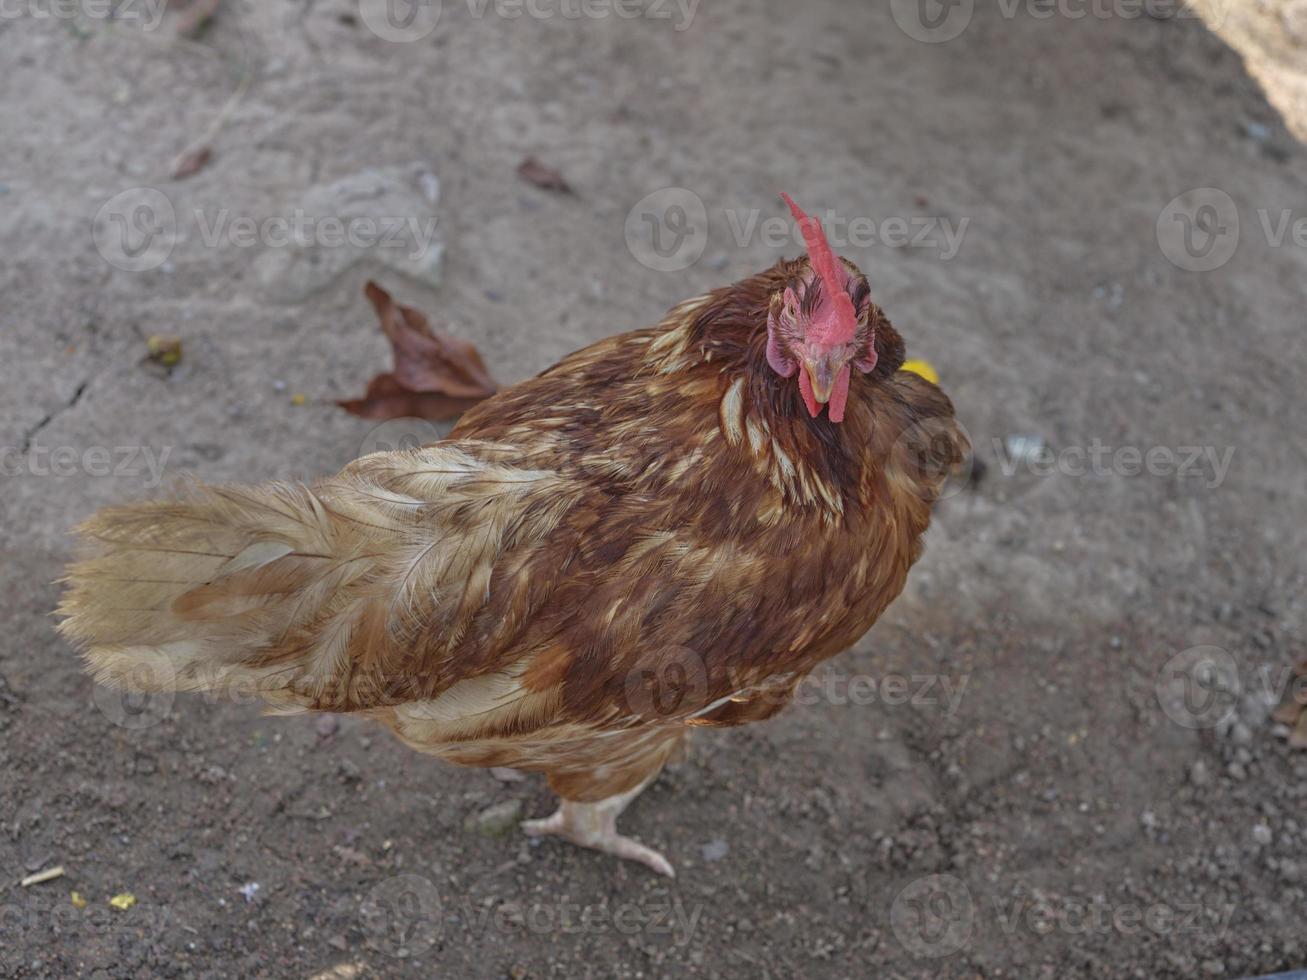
1006 777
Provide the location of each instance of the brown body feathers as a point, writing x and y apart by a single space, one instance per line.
651 535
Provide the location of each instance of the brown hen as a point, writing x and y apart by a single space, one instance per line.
663 531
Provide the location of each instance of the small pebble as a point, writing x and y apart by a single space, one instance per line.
348 771
495 821
165 350
715 850
1262 834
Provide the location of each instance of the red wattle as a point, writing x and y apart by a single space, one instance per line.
809 399
839 394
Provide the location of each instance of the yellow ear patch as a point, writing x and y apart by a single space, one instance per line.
923 368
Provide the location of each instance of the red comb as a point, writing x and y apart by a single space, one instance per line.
841 328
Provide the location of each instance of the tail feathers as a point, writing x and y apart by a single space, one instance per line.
353 593
216 590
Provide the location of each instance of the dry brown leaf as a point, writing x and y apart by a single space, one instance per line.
189 164
535 172
197 14
1291 711
436 376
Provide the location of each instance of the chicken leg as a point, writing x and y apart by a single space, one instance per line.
594 825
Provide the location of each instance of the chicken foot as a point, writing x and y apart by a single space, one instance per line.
594 825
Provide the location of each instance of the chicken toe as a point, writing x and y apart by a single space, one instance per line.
594 825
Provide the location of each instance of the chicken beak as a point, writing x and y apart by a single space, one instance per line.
821 375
